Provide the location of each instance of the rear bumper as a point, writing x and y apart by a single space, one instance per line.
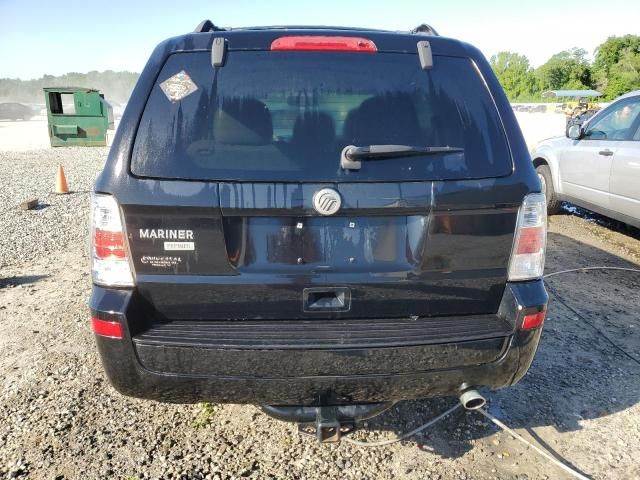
309 376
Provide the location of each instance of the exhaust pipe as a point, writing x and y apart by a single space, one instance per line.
471 399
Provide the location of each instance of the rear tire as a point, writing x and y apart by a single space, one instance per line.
544 174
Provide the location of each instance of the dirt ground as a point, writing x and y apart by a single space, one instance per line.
24 135
60 419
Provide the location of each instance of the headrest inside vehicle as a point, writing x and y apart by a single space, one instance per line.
242 121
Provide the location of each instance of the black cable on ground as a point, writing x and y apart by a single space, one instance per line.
571 471
495 420
600 332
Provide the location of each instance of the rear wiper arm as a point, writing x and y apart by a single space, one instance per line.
352 156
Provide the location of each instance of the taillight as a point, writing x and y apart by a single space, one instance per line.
109 260
533 320
318 43
527 256
109 244
105 328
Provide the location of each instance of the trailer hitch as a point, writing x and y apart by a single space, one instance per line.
328 426
326 422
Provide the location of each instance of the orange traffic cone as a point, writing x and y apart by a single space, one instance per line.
61 181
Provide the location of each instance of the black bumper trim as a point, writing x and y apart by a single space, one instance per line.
218 362
323 334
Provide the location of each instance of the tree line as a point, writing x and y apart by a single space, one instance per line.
116 86
615 70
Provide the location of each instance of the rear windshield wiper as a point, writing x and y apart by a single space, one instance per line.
352 156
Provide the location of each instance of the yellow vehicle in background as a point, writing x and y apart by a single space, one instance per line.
582 106
578 110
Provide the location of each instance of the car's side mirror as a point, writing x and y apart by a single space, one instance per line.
575 132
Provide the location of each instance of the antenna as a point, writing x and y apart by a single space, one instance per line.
207 26
425 29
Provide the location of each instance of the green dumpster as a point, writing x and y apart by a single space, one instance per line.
77 116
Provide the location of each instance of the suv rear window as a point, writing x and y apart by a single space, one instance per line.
286 116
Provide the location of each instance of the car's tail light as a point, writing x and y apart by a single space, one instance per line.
527 255
318 43
533 320
105 328
109 260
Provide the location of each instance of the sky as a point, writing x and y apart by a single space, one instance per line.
40 37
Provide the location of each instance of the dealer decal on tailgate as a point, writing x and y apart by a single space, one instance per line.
176 241
160 261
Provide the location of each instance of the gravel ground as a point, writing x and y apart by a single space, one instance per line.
61 419
60 220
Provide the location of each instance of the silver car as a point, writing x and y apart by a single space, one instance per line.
597 166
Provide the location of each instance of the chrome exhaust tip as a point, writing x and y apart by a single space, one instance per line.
472 400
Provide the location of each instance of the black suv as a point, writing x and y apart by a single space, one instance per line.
303 217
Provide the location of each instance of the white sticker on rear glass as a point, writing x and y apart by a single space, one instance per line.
178 86
179 245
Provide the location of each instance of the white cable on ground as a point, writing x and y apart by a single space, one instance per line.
431 422
404 436
567 469
591 268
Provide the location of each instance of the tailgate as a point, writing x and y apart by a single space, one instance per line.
260 252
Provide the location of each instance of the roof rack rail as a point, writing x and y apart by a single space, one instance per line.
208 26
425 29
